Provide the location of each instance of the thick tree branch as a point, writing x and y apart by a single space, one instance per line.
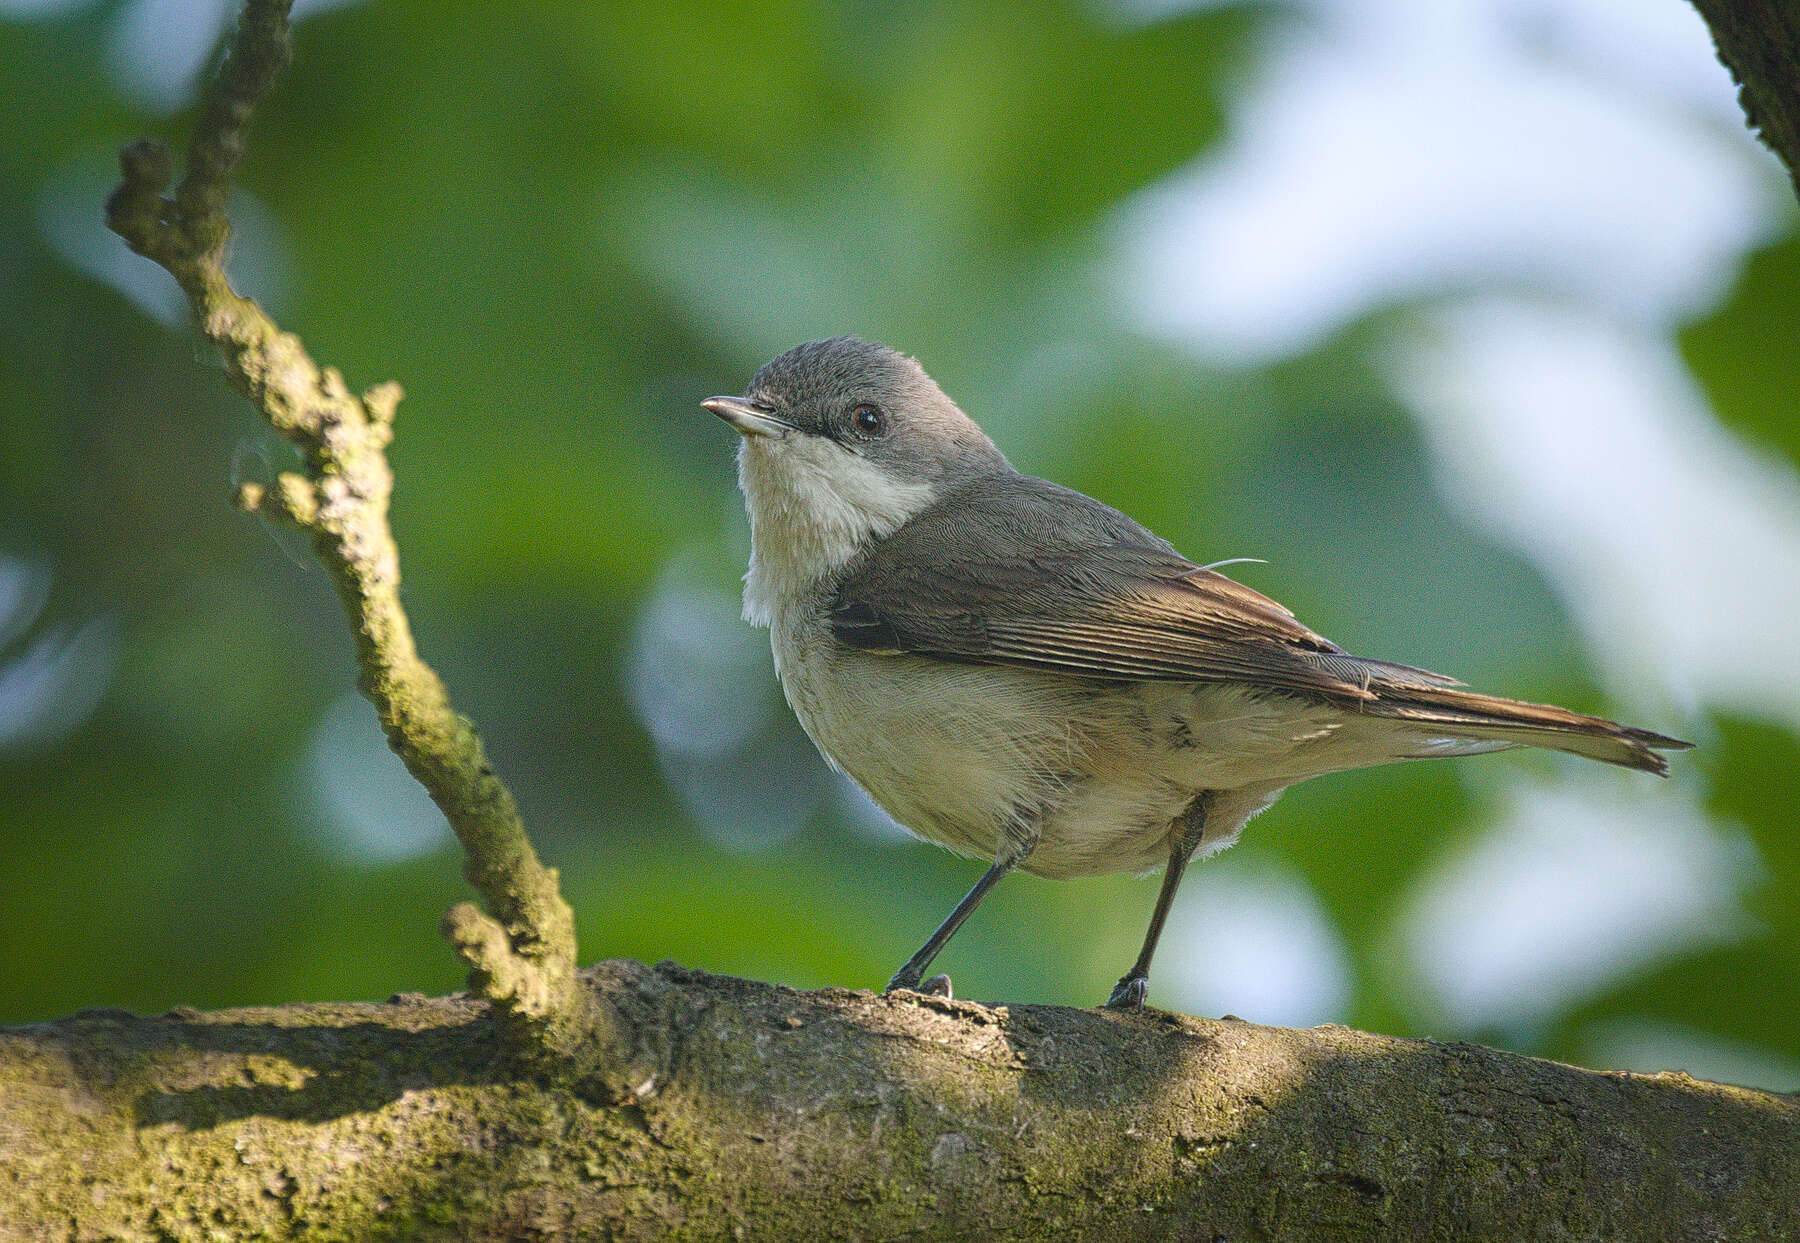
765 1113
1759 41
524 958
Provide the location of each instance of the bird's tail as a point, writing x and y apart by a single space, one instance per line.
1450 712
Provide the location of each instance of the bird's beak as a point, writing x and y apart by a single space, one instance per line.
749 418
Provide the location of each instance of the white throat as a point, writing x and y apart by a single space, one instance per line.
813 506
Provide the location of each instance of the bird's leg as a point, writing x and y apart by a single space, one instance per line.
1013 849
1134 985
908 976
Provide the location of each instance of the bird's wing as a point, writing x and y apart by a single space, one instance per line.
1019 571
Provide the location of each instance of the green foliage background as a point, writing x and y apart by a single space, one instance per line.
560 226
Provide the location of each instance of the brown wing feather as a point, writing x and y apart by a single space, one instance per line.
1026 572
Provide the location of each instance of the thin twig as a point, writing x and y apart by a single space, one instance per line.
522 958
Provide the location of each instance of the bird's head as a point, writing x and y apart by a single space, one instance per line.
843 441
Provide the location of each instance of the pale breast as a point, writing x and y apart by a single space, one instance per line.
959 754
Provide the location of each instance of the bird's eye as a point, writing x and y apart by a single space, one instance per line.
868 421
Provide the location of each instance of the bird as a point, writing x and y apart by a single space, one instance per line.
1022 673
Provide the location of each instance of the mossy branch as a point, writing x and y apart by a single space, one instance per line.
1759 41
523 957
758 1112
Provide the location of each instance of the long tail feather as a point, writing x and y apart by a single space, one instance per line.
1465 714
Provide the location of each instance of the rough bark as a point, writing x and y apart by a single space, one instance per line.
764 1113
1759 41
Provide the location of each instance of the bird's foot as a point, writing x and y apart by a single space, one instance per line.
1129 993
905 978
937 986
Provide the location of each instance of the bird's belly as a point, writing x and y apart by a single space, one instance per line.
973 756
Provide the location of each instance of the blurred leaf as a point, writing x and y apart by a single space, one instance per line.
1743 353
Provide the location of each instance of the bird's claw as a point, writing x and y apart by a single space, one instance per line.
1129 993
937 986
905 978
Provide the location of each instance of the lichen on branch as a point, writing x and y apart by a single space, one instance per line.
760 1112
522 957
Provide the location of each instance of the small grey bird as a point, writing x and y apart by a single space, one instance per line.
1017 671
